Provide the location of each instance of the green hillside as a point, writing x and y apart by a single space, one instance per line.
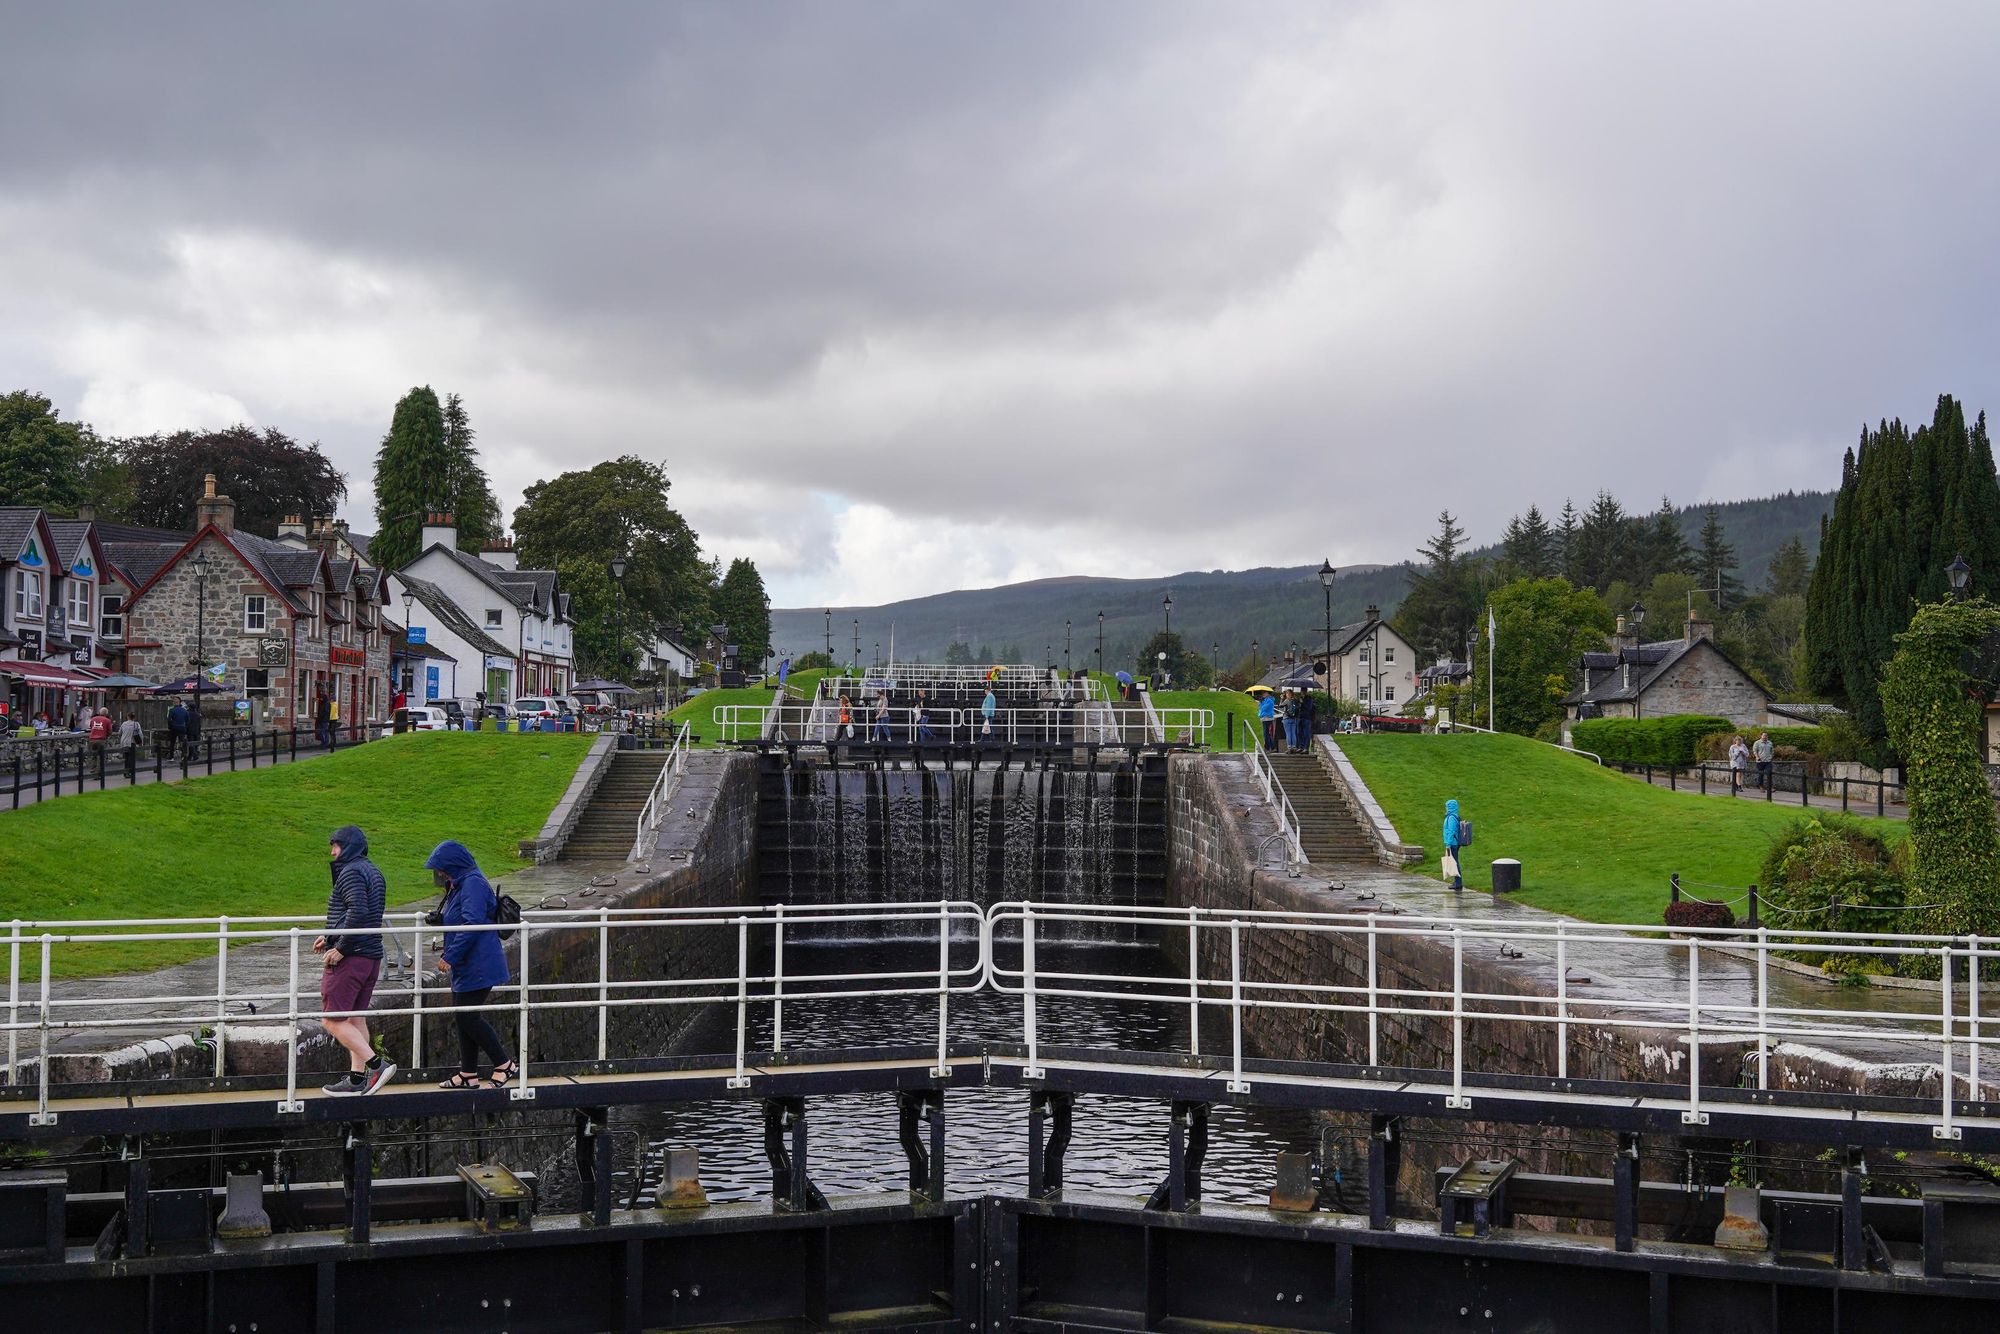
1274 605
1592 843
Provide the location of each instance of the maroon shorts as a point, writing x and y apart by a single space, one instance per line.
349 984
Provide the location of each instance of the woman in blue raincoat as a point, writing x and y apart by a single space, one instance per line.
1451 843
476 962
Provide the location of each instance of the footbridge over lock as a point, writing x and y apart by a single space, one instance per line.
985 1002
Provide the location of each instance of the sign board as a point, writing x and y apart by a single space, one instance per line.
242 710
31 645
348 657
216 671
430 682
58 620
274 651
80 655
419 634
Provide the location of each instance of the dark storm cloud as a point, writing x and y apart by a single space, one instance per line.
1306 273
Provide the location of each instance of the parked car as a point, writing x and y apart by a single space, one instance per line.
428 718
533 708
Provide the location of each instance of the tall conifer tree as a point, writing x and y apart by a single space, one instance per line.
1715 561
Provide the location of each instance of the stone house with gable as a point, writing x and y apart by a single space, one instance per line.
1689 675
284 625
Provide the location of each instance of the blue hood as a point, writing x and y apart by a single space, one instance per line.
453 859
1451 809
352 842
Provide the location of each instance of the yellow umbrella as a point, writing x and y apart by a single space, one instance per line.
1251 690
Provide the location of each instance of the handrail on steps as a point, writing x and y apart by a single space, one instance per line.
655 810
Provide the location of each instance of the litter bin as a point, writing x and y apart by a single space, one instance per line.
1506 875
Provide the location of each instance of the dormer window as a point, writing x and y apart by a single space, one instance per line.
28 595
79 604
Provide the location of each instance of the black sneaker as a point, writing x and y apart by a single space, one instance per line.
347 1086
376 1075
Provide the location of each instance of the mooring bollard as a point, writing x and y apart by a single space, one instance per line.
1674 888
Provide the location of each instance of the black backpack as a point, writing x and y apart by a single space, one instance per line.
1464 833
506 913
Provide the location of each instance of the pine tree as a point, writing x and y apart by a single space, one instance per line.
1444 593
472 500
1714 562
1529 545
1601 547
1791 569
1667 551
741 602
413 471
1565 543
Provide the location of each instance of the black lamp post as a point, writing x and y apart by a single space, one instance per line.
1100 641
1374 657
1960 575
1255 660
1167 603
1636 615
409 672
618 621
1049 656
1326 576
857 641
1066 667
1214 663
829 636
199 567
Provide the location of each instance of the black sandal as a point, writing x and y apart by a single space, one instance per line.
462 1081
503 1074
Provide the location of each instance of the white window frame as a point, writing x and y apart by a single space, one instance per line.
256 613
111 616
28 595
80 600
495 618
318 621
1388 694
1388 653
250 688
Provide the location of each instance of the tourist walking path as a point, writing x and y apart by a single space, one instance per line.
26 794
1860 799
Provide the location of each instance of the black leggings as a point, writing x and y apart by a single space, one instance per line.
474 1033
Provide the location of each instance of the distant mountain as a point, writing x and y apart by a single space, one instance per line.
1273 605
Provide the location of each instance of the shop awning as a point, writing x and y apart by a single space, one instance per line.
42 674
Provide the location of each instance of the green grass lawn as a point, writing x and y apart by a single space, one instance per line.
1592 843
254 843
1223 703
699 712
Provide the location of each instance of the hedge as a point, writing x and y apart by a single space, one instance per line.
1699 912
1807 740
1670 740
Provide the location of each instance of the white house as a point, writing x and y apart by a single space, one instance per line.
1371 664
512 625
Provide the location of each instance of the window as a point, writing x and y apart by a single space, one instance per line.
28 594
111 616
256 682
492 618
253 613
317 622
1364 653
79 605
1389 653
1389 693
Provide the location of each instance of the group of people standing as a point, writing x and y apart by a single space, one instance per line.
1740 757
350 950
1296 713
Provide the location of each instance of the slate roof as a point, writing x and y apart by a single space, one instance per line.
540 586
342 575
485 572
16 522
133 532
282 567
70 535
439 604
139 561
1807 713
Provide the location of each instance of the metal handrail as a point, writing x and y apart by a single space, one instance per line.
816 723
659 800
1275 796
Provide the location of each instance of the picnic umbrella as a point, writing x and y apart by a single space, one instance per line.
1259 688
189 685
125 681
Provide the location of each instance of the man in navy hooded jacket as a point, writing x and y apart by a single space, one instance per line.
351 953
475 961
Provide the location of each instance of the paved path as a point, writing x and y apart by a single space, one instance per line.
1860 799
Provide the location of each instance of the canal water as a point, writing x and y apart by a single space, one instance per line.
1120 1144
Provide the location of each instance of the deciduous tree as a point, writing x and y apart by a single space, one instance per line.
41 456
267 473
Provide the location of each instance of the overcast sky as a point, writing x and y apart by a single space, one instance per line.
910 297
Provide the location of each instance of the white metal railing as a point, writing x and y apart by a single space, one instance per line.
1701 988
1720 998
818 724
746 985
660 799
1275 797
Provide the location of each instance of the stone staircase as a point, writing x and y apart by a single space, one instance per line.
609 823
1328 829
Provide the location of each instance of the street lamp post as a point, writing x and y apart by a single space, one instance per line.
1214 663
1960 574
1066 666
409 672
1167 604
618 614
199 566
857 641
1374 657
1326 576
1100 642
829 636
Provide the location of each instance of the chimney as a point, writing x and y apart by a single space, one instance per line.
1699 628
213 509
292 525
87 513
1625 636
439 529
326 537
499 552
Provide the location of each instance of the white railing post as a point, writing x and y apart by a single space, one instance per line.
417 991
1457 1098
523 1092
42 1116
13 1003
778 981
944 984
291 1102
741 1080
1694 1115
1945 1129
1237 1084
1194 983
1034 1070
1562 1003
221 991
1972 1017
1374 999
603 983
1763 1003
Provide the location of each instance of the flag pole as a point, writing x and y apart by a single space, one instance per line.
1492 638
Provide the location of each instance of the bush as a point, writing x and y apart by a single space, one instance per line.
1670 740
1696 912
1823 860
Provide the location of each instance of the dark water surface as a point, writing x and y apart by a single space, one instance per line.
1120 1144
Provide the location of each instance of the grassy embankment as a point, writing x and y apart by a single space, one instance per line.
254 843
1592 843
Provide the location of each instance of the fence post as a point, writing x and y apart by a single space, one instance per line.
1237 1084
100 768
1562 1001
1694 1115
1843 796
17 781
1702 771
291 1102
221 991
944 986
1763 1000
1194 983
1880 784
41 1116
1034 1070
1674 888
1944 1130
1753 905
1457 1098
523 1093
741 1080
13 1002
778 980
416 984
603 983
1374 1019
1972 1016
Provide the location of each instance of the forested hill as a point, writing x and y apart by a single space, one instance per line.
1272 605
